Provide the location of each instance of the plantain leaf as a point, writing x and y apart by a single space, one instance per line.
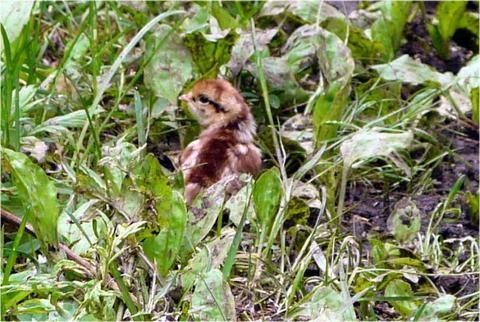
243 48
404 222
322 304
409 70
468 77
154 183
203 214
210 51
449 16
336 65
371 143
212 299
267 193
166 245
13 16
362 47
37 193
307 10
171 214
398 288
432 311
388 29
236 204
211 256
75 230
171 64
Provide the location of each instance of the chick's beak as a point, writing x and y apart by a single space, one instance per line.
185 97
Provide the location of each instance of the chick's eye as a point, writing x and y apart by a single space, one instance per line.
203 99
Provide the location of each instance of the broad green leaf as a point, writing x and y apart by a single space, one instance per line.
388 29
449 14
130 202
92 180
225 20
170 66
199 21
236 204
153 183
75 230
203 213
362 47
212 299
433 310
312 10
399 288
37 193
65 311
378 252
406 261
267 193
35 306
116 161
281 78
166 245
128 193
13 16
123 231
243 48
404 222
448 17
169 207
307 10
336 65
11 295
371 143
324 303
209 55
335 59
408 70
211 256
328 107
468 77
26 96
333 56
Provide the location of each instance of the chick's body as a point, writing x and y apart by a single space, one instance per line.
225 146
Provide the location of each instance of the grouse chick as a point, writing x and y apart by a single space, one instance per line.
225 146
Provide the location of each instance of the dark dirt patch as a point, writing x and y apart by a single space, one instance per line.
457 285
370 207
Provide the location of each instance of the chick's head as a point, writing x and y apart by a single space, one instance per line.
214 101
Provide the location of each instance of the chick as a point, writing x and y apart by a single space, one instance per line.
225 146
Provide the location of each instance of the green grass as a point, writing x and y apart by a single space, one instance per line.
88 92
